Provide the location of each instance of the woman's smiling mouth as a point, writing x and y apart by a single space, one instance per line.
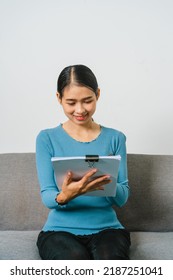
81 117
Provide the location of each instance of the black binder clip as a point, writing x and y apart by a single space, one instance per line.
91 159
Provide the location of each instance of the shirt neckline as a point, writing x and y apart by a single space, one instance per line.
78 141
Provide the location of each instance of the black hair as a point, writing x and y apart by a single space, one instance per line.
79 75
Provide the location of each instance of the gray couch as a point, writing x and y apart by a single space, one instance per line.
148 213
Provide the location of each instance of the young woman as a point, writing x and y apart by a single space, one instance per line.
80 226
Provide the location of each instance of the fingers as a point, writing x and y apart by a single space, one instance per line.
92 184
104 179
87 183
88 175
99 182
68 178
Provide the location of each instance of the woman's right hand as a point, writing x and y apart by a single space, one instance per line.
72 188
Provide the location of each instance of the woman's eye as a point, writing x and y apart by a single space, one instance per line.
89 101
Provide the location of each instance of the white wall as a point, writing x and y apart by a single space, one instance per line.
127 43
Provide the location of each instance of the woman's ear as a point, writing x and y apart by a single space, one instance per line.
59 97
98 93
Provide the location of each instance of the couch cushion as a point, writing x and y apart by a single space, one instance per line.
18 245
151 246
21 245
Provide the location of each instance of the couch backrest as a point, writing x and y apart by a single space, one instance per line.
20 203
149 208
150 205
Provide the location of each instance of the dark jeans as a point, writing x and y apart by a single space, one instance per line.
110 244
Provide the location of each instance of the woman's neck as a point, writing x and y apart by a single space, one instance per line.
83 133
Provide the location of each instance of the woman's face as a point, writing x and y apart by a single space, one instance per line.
79 103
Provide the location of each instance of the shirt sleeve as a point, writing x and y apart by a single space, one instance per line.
44 153
122 192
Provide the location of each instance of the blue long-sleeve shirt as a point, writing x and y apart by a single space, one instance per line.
83 214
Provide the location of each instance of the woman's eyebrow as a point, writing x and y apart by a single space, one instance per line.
85 98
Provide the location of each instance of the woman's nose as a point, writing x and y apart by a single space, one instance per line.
79 108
